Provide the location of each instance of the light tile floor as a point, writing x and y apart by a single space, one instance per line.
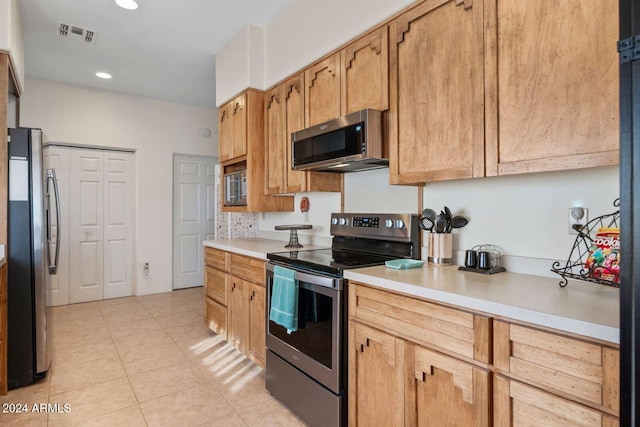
144 361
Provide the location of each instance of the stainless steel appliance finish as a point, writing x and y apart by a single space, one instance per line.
347 144
51 179
235 188
307 369
26 264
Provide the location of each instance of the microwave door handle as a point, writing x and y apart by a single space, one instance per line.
53 267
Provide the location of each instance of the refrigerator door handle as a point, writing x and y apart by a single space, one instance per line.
53 267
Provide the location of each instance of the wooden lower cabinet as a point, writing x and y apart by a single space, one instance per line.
256 323
443 391
394 382
235 306
376 377
236 312
404 368
216 317
518 404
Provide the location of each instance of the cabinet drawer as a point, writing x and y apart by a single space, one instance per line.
247 268
566 365
215 285
215 258
216 317
431 325
517 404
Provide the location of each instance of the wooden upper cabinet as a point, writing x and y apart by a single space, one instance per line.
552 85
232 128
322 91
225 137
247 124
275 142
436 92
284 114
238 114
365 73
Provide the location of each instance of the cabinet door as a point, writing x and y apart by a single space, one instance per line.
236 312
224 132
256 327
376 378
239 126
275 141
216 317
293 95
517 404
565 365
552 85
322 91
365 73
215 284
444 391
437 99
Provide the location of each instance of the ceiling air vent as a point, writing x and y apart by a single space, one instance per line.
75 32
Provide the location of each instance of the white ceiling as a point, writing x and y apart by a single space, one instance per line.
165 49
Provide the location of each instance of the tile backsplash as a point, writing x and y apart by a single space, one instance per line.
233 225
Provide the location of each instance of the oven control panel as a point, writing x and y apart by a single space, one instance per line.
398 227
366 221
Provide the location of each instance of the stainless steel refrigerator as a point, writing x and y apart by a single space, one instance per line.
28 258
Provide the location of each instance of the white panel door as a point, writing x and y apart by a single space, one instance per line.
86 230
118 223
194 214
57 158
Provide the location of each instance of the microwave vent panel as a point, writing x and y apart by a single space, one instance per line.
75 32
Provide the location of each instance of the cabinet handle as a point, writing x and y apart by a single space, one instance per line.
367 342
361 348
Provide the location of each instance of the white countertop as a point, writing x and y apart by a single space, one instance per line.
256 247
581 308
3 255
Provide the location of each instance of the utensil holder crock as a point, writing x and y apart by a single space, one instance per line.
440 250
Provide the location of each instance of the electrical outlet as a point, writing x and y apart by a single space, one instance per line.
578 216
146 270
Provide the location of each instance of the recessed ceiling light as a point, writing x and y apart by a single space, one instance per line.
103 75
127 4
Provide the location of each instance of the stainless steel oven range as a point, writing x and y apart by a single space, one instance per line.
307 369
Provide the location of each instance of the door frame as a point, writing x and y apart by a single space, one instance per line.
216 160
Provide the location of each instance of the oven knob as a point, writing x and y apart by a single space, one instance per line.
334 221
343 221
388 223
399 223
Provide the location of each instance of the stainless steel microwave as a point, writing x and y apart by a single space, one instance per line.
349 143
235 188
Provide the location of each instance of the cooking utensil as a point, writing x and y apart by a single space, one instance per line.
429 213
426 224
447 218
440 223
459 221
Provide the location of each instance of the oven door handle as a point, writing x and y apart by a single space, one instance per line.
324 281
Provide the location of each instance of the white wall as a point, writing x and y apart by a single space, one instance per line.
321 206
156 129
307 30
11 37
526 215
242 64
